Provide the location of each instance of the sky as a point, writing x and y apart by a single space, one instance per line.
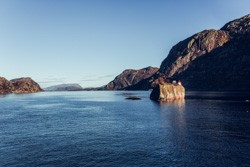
91 41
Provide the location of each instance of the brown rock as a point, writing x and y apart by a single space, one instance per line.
168 92
20 85
185 52
212 60
238 26
130 77
5 86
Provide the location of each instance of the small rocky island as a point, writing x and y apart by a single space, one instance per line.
19 85
165 91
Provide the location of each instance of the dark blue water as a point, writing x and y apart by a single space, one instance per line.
105 129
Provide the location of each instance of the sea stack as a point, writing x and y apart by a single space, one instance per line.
164 91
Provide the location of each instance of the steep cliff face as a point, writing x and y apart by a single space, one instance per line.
130 77
187 51
20 85
225 67
209 60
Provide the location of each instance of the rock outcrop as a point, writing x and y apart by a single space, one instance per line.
64 87
164 91
20 85
187 51
209 60
168 92
5 86
130 77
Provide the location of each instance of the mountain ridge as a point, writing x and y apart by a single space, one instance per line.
130 77
209 60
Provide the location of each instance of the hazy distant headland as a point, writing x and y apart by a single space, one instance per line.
64 87
212 60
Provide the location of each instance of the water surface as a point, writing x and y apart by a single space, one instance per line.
105 129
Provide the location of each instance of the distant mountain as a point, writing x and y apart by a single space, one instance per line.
130 77
209 60
64 87
19 85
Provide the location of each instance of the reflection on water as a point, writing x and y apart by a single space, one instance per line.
105 129
179 104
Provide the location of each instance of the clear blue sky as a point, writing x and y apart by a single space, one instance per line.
91 41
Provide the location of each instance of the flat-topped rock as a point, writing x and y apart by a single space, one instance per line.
168 92
164 91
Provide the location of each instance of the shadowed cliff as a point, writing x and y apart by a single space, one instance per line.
209 60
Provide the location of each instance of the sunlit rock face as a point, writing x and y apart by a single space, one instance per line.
185 52
164 91
130 77
20 85
168 92
215 60
5 86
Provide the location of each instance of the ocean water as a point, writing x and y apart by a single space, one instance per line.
106 129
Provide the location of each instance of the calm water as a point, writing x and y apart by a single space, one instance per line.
105 129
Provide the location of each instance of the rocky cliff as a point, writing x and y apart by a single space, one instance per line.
130 77
20 85
163 91
210 60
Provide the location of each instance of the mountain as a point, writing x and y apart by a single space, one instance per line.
209 60
19 85
5 86
130 77
64 87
